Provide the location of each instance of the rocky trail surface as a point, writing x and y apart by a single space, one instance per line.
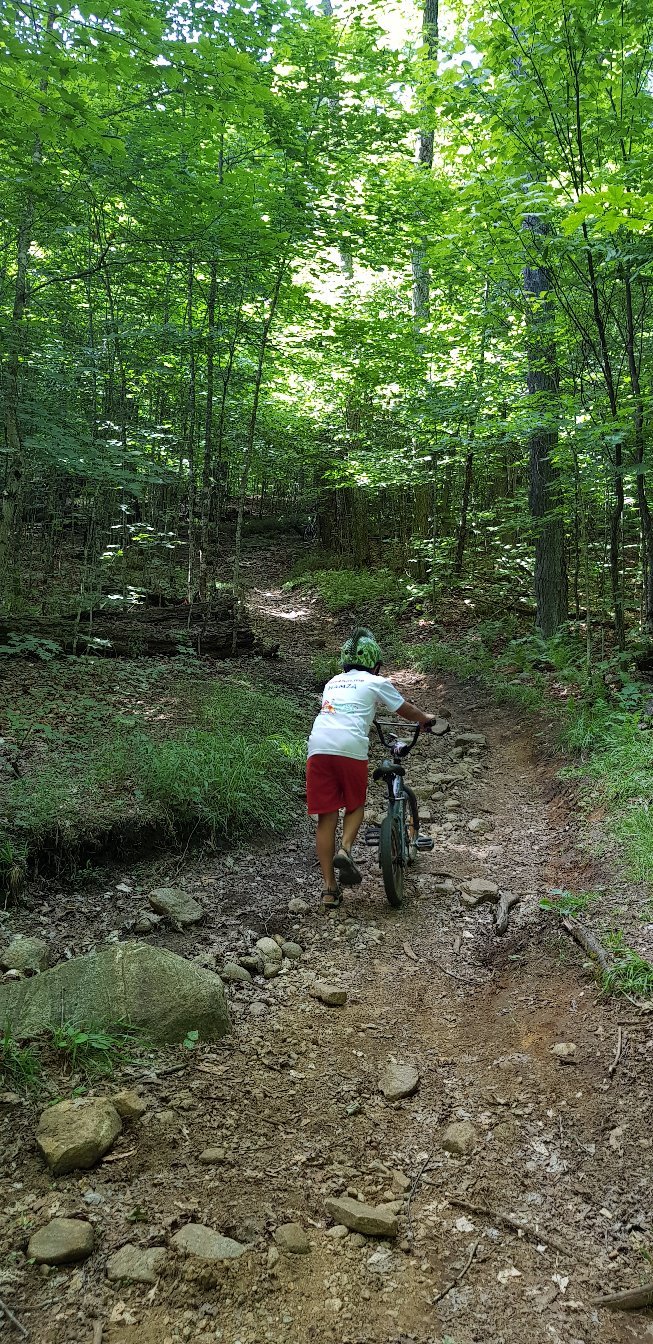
416 1130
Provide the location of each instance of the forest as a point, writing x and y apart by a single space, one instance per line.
318 314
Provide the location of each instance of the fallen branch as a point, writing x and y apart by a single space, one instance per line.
633 1299
458 1277
97 1332
589 943
464 978
502 912
533 1233
413 1191
13 1320
617 1053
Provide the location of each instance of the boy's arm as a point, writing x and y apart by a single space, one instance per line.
415 715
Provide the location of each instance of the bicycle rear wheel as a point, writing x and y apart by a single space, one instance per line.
391 858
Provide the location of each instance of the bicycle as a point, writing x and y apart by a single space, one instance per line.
398 835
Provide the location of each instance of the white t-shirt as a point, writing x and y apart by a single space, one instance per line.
349 703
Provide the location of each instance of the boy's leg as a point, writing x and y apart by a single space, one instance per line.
351 826
326 847
344 864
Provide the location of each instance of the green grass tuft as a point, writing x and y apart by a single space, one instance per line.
20 1068
568 902
94 1051
631 973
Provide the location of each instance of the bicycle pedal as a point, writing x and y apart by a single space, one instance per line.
425 842
371 836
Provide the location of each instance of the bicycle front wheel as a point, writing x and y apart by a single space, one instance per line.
391 859
412 824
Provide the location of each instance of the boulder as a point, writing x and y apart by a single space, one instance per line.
61 1242
292 950
365 1218
467 740
177 905
297 906
213 1156
270 950
74 1135
195 1239
332 995
399 1080
147 987
235 974
25 954
136 1264
478 890
460 1138
129 1105
292 1239
480 825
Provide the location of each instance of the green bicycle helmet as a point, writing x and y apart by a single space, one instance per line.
361 650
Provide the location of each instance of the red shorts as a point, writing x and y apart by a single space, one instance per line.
333 782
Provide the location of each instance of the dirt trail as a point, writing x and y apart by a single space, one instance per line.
292 1096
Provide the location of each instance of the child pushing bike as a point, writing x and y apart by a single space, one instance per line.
338 749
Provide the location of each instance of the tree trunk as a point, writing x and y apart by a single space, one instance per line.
13 436
424 159
190 442
646 522
544 484
207 465
251 430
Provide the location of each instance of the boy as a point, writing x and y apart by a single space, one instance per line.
336 771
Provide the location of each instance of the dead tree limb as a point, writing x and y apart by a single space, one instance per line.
633 1299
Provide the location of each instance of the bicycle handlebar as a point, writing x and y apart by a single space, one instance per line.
397 747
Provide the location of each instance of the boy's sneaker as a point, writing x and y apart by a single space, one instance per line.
346 869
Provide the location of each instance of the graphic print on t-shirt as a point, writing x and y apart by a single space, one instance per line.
349 703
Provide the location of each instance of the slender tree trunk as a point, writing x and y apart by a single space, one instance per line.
190 442
461 539
251 435
9 519
544 484
646 522
207 465
17 353
344 250
424 160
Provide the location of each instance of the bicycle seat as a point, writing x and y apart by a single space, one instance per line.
387 771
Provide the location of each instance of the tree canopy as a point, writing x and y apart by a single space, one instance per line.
395 275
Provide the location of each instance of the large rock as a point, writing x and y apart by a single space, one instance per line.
399 1080
176 905
466 740
333 995
129 1104
291 1238
477 891
270 950
25 954
75 1134
460 1138
195 1239
373 1222
136 1264
148 987
61 1242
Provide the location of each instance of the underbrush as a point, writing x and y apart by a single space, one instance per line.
362 591
220 759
